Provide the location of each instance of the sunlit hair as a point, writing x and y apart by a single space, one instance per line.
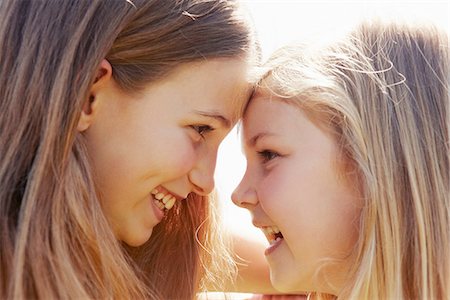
383 93
55 241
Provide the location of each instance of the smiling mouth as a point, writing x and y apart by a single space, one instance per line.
272 233
163 199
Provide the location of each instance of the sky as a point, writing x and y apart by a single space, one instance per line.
281 22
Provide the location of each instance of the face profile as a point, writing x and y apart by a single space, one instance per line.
293 189
151 149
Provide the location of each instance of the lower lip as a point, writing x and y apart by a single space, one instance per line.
158 212
272 247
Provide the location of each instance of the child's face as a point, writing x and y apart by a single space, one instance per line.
162 143
292 184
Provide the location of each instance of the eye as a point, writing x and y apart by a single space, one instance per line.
202 129
267 155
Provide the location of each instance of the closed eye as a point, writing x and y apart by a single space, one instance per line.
267 155
202 129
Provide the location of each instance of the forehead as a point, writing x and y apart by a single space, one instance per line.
268 115
215 84
265 109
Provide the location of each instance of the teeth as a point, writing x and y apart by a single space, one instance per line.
166 198
159 204
163 201
272 229
170 203
159 196
270 232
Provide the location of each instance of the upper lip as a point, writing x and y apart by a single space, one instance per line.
259 225
164 190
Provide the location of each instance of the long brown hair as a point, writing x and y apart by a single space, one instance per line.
55 240
384 95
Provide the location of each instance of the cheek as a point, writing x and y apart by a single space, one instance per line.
173 156
182 158
344 215
308 205
277 194
124 161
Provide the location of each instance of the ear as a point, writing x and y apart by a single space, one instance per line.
90 106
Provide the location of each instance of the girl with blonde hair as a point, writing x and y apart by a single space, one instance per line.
111 113
347 174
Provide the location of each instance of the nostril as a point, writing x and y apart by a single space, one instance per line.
244 197
236 199
200 191
201 185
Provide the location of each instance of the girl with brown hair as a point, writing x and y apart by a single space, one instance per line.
111 116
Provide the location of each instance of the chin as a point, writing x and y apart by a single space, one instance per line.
137 240
285 283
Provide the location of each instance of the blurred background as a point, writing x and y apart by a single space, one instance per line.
279 22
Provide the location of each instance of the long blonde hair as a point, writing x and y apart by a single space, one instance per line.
55 240
384 93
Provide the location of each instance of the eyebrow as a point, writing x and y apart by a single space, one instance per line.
218 117
252 142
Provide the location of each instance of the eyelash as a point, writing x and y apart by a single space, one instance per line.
202 129
267 155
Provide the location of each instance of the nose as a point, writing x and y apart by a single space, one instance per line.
245 195
201 176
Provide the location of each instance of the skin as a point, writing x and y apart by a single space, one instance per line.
292 181
165 137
